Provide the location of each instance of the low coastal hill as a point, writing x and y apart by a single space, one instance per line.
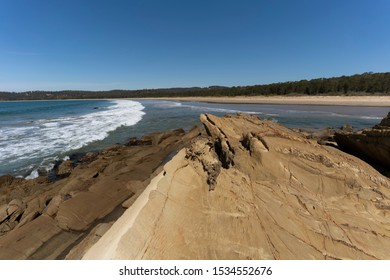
253 189
360 84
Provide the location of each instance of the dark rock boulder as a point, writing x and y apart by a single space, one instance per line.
385 123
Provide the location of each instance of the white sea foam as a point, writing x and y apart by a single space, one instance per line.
371 118
355 117
171 104
167 104
45 137
34 174
222 110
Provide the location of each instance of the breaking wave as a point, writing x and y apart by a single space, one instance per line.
43 138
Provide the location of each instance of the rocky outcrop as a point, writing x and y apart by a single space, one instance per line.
41 219
385 123
253 189
372 145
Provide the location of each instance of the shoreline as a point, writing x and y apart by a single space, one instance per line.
326 100
366 101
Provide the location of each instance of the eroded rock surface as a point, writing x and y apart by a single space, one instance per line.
253 189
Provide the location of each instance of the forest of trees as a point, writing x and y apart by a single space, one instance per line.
366 83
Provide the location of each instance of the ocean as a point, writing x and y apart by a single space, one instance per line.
36 134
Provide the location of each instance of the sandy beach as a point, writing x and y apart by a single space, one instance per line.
339 100
381 101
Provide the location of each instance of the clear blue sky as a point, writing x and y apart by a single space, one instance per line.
100 45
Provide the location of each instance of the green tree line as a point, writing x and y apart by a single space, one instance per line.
366 83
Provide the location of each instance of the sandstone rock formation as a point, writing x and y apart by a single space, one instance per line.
370 144
40 219
253 189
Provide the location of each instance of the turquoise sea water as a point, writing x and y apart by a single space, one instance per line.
33 135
